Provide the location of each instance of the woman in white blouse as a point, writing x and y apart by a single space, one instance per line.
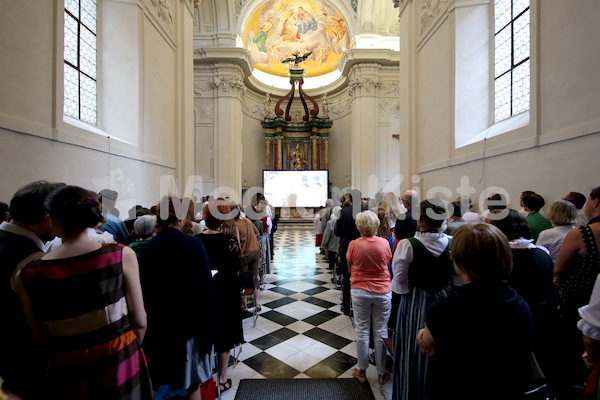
562 215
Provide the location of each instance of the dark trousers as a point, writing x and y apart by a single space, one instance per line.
394 312
345 285
332 258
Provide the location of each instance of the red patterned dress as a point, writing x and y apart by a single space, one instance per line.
80 304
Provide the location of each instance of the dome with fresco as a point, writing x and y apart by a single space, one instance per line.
282 29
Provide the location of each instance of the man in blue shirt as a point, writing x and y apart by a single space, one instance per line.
113 225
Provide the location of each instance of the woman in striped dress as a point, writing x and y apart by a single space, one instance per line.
84 301
422 272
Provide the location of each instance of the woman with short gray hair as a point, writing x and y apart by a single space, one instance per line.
368 258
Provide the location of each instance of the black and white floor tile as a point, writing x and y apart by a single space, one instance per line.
300 331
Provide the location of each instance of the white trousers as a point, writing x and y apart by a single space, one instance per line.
371 312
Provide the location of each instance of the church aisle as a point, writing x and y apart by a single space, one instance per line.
300 331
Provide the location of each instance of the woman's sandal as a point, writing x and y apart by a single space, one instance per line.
384 378
359 375
223 386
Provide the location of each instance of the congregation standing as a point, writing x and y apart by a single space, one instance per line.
448 285
518 287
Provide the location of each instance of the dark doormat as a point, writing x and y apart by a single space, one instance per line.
303 389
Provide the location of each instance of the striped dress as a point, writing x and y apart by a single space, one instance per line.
80 304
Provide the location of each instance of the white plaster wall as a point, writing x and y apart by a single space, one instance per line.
26 62
339 152
122 59
253 152
28 158
556 153
569 62
552 171
159 101
433 99
388 153
36 144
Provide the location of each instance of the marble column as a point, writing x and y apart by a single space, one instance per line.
315 153
278 154
326 153
267 153
306 154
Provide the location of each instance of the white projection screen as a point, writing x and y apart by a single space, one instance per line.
295 188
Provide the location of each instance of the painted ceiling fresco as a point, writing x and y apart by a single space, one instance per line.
281 28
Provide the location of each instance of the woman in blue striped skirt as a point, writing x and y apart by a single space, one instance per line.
422 274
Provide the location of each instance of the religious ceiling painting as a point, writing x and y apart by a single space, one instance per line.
279 29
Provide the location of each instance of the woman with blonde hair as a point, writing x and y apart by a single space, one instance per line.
368 258
393 207
562 215
229 227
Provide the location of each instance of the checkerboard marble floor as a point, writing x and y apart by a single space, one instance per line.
300 331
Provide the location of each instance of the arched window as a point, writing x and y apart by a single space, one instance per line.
80 53
511 58
493 71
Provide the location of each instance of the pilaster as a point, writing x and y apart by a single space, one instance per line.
228 88
363 88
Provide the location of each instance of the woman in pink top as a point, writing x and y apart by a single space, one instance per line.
368 258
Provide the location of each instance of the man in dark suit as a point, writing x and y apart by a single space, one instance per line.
406 225
22 365
347 231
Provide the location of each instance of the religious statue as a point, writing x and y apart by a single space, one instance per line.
297 116
267 105
297 159
325 105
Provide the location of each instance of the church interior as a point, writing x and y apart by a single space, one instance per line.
180 90
207 97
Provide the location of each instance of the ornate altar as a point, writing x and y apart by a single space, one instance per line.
297 138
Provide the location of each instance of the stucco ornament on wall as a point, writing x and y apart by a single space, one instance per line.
164 10
431 12
204 111
280 28
202 89
362 83
227 84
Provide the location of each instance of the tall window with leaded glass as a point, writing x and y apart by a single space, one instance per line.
511 58
80 44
